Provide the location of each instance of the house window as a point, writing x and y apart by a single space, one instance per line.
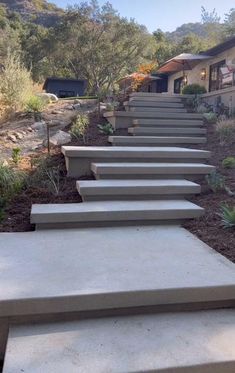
216 77
178 84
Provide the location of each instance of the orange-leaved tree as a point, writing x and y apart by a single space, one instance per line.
142 75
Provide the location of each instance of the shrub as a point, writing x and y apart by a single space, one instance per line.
228 216
105 128
210 117
11 181
229 162
79 126
215 181
226 131
193 89
35 104
45 176
16 155
16 85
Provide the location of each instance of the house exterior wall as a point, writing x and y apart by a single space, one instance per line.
194 74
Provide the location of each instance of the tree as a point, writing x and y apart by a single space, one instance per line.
230 23
209 17
97 44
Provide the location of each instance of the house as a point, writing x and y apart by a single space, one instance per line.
63 87
213 69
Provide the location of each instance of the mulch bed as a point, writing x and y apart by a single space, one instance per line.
207 228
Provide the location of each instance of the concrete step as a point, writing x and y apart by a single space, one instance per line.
57 271
111 213
155 140
155 97
79 158
161 131
173 123
162 104
150 170
123 119
188 342
93 190
151 109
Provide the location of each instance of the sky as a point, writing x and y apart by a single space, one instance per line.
165 14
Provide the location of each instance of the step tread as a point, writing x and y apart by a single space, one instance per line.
39 275
199 342
112 211
140 151
135 183
178 123
149 167
149 114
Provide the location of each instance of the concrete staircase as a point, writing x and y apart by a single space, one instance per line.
114 284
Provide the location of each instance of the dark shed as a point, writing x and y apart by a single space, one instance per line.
63 87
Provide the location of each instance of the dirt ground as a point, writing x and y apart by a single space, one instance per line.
208 228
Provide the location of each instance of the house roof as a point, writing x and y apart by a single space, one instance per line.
51 79
227 44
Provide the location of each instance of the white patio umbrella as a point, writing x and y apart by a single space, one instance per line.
184 61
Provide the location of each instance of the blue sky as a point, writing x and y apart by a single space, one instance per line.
164 14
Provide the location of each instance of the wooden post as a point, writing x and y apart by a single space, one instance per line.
48 139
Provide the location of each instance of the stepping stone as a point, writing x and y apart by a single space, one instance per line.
93 190
56 271
79 158
174 123
154 131
154 140
112 213
193 342
150 170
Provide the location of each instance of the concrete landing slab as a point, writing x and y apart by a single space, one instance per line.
106 268
194 342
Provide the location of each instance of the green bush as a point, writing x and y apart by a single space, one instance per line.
105 128
15 155
79 126
228 216
226 131
11 181
193 89
16 85
35 104
215 181
210 117
229 162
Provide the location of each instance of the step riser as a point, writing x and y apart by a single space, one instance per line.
150 131
154 96
135 141
160 104
167 123
180 176
155 110
130 197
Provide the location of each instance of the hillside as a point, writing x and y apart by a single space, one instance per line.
41 11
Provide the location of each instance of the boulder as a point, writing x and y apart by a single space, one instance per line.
60 138
38 126
48 97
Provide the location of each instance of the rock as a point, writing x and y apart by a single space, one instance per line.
57 112
29 129
60 138
77 106
18 135
36 147
39 126
48 97
69 107
12 138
